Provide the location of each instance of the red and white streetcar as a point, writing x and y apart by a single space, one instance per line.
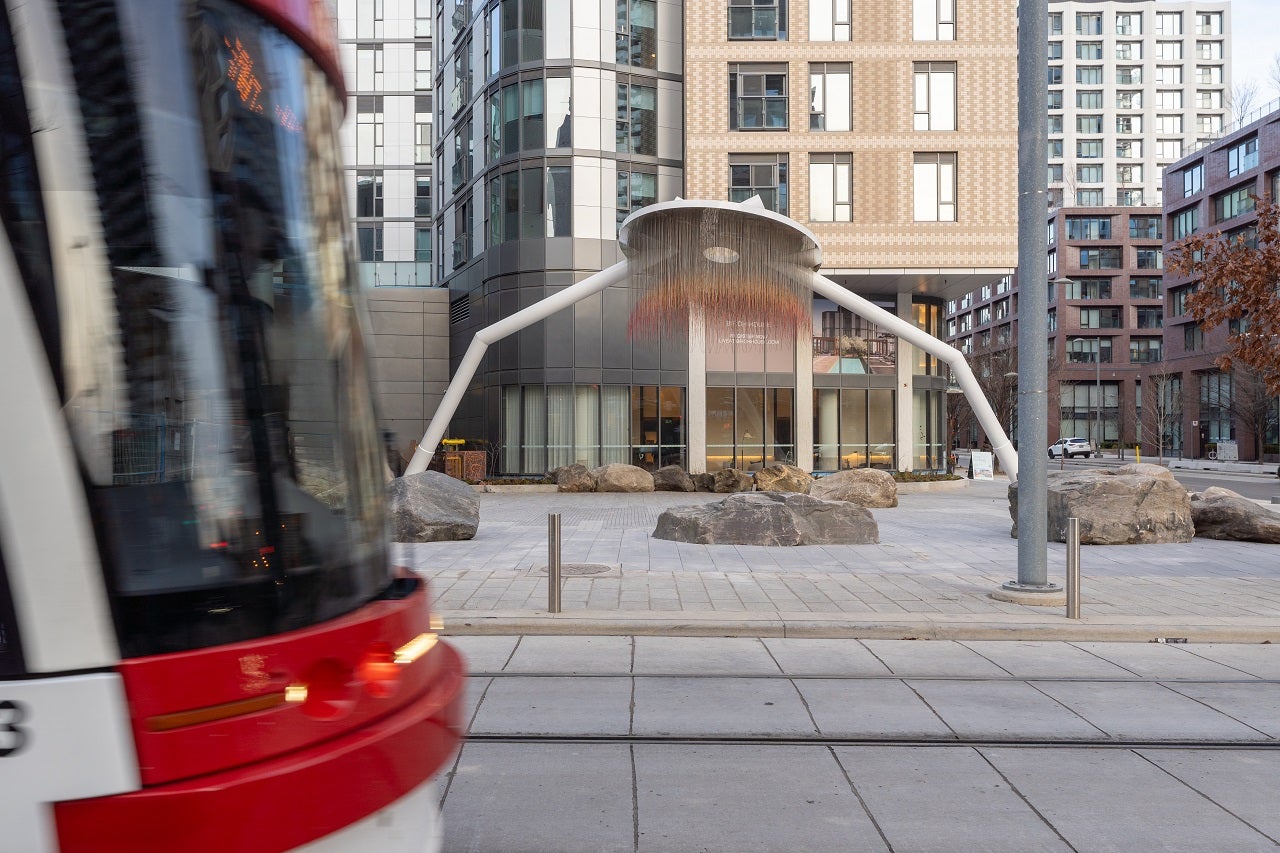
203 645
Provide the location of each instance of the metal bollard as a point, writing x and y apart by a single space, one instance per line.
553 562
1073 568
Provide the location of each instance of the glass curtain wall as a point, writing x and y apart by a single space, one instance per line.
853 428
750 428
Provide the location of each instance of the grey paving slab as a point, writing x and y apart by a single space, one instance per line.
942 800
1029 659
723 706
1254 704
533 798
1260 660
572 654
908 658
1146 711
515 705
1241 781
473 692
1002 709
484 654
1160 660
736 799
871 708
729 655
1116 800
798 656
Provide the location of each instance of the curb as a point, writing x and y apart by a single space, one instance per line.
1011 627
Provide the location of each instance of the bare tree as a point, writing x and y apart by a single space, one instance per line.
1161 409
1242 97
1252 406
1273 72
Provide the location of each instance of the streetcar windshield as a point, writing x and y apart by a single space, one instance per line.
210 354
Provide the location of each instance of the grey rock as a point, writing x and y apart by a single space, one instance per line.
704 482
778 477
617 477
432 507
1223 514
672 478
1130 505
868 487
574 478
729 480
769 518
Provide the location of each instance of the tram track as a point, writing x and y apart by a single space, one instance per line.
994 679
819 740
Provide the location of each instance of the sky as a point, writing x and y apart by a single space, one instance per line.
1255 38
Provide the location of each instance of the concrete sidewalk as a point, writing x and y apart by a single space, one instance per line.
940 555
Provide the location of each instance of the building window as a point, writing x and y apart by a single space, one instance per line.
1150 318
369 69
422 67
1178 300
1144 287
422 194
1145 350
422 129
635 190
1233 203
1089 100
1055 148
422 246
1055 124
1055 174
1102 258
369 193
1088 23
1129 149
1168 124
1169 23
1089 75
935 187
369 130
1192 337
829 105
530 115
1088 288
829 20
1129 198
1091 50
1193 179
1209 75
1128 124
1168 149
1055 23
1090 174
1184 222
763 175
758 19
1209 99
1089 198
1209 125
1208 23
1168 75
1128 51
1089 124
1209 50
935 95
1129 174
1169 50
1242 156
1150 259
1128 75
1089 227
757 97
1055 75
831 187
636 36
1089 149
1145 228
1101 318
1169 99
532 203
369 238
1055 100
423 11
1088 351
1051 321
1055 50
933 20
369 20
1128 100
1128 23
516 33
637 125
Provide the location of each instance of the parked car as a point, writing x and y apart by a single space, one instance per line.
1069 447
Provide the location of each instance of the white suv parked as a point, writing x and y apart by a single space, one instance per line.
1069 447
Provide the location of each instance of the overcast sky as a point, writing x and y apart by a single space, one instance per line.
1255 38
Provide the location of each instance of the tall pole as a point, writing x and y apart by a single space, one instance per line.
1032 585
1097 394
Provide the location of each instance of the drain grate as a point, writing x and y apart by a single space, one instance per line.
572 569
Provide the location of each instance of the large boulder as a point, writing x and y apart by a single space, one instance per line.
778 477
769 518
432 507
729 480
1223 514
672 478
1137 504
617 477
868 487
704 482
574 478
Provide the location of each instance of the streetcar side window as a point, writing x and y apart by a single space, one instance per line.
10 649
